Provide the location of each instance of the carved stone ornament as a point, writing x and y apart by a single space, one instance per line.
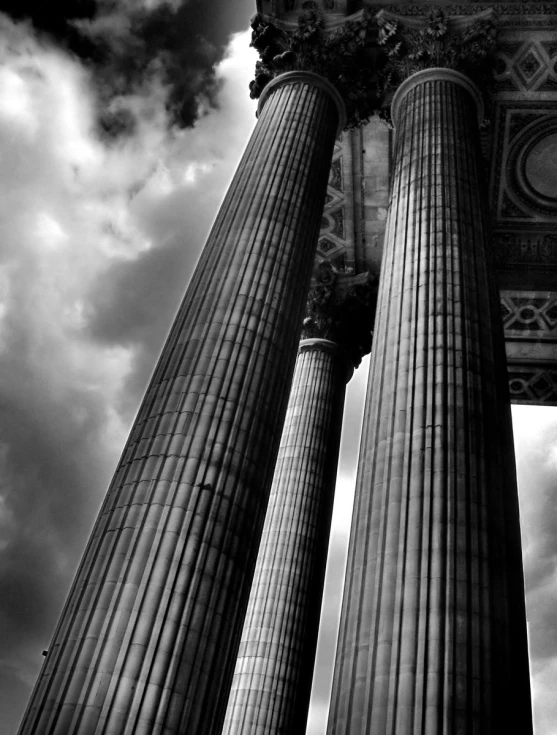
340 308
437 41
341 56
512 8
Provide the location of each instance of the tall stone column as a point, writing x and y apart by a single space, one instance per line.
272 682
433 634
147 640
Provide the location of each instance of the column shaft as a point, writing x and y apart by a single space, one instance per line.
432 635
272 681
147 641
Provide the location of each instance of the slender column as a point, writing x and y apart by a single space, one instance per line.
147 641
272 682
433 634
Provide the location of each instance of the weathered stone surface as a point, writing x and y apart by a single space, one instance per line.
433 634
148 638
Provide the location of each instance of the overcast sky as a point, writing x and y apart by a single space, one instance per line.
119 133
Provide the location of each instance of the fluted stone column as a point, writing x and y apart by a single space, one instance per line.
272 681
432 634
147 640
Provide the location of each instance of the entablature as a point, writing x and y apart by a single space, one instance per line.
519 142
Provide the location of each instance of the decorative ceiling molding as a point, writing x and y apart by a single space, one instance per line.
530 324
527 14
530 315
523 167
335 236
526 65
526 248
533 385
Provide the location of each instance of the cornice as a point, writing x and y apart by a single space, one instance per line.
509 13
521 15
368 54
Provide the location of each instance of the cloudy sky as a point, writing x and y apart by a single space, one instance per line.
121 122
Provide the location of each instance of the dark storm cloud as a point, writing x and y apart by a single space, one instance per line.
56 19
53 464
134 305
127 43
51 496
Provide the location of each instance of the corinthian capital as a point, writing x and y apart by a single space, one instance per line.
340 308
463 44
341 55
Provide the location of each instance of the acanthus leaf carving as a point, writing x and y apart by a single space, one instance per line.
438 42
341 56
340 308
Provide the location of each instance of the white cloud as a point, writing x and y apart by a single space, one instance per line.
545 701
535 431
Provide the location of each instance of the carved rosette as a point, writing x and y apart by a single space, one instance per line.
340 308
411 45
341 55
